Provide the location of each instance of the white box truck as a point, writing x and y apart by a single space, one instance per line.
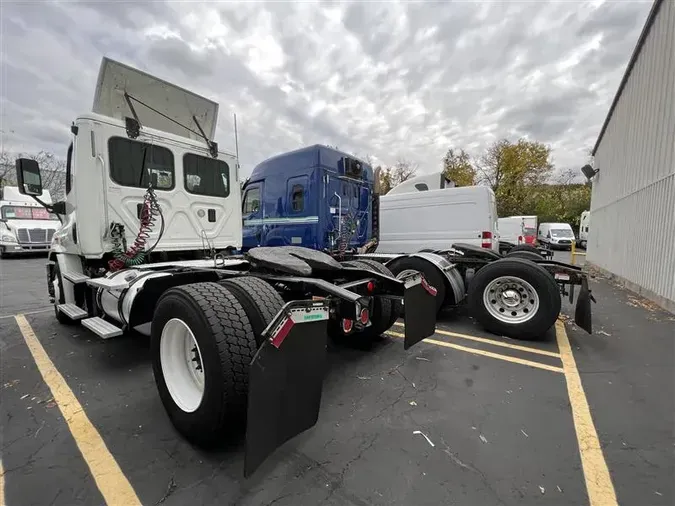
25 225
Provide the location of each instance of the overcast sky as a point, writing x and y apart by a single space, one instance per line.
390 80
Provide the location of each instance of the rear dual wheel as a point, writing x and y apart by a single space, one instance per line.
203 339
514 297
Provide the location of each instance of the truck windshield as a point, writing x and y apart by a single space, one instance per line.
561 232
26 213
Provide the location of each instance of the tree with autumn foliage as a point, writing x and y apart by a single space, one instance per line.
396 174
458 168
512 170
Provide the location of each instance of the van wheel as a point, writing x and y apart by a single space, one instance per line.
433 276
202 344
514 297
583 244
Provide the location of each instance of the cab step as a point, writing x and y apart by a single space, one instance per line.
102 328
72 311
75 277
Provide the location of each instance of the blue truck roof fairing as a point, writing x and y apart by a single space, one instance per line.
297 161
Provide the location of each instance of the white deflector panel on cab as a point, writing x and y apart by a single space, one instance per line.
168 101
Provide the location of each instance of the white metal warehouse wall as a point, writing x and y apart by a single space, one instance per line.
633 201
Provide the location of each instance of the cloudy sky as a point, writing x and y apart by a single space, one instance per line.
391 80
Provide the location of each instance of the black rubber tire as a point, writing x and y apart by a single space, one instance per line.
433 276
396 307
542 282
60 317
525 247
527 255
260 301
227 345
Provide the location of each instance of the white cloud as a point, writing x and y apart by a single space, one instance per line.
388 80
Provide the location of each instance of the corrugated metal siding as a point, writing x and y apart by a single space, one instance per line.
632 231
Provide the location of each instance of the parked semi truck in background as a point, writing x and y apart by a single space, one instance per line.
25 225
584 224
151 216
325 199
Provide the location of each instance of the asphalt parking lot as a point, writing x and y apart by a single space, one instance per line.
464 418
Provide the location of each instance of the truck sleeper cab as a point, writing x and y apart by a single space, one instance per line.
314 197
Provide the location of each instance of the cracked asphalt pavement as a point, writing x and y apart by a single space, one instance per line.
432 426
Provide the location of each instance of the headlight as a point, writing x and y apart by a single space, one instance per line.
7 237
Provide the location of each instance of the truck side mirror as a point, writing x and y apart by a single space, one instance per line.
28 177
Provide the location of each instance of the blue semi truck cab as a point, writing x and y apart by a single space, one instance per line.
316 197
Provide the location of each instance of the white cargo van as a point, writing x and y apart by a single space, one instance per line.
25 225
437 218
556 235
584 223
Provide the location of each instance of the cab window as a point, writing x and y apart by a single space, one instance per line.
251 201
297 198
206 176
139 164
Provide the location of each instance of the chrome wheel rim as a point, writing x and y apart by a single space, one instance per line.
511 300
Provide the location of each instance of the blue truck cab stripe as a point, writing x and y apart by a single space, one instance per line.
316 197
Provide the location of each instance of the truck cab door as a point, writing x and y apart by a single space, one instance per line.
252 216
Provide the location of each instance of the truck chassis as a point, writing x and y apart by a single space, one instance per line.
240 341
517 295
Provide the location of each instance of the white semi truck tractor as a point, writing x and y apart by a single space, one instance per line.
151 226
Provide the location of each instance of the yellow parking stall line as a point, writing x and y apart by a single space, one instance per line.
109 478
2 484
596 474
484 353
494 343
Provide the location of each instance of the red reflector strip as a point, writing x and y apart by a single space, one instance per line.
432 290
281 334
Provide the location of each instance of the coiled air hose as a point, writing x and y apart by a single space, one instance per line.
137 253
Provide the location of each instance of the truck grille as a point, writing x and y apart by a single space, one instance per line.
564 241
34 235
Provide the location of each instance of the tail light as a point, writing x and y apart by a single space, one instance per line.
347 325
520 239
486 240
364 316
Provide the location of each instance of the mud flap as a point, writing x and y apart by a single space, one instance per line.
582 312
286 379
420 310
